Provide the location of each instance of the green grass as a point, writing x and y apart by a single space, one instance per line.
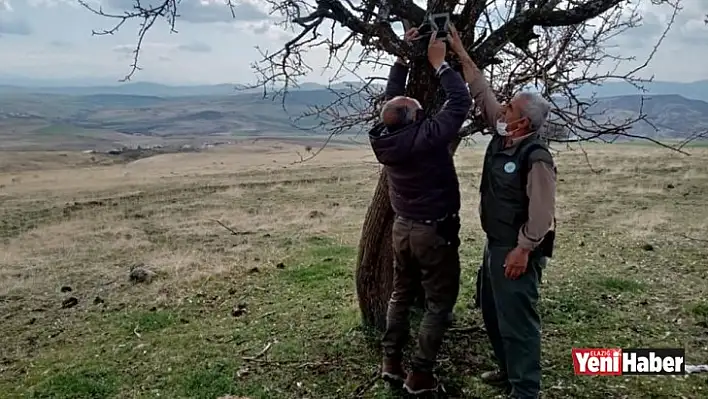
84 382
187 359
617 284
307 314
179 337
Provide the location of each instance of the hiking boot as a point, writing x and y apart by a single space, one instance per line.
419 382
496 378
392 371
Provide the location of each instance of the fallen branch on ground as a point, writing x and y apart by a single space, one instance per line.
261 353
234 232
692 238
363 388
463 330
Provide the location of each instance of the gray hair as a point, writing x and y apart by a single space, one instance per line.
536 108
405 113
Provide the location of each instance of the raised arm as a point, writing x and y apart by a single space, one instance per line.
445 125
484 97
397 76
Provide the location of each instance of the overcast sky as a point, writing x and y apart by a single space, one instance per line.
51 39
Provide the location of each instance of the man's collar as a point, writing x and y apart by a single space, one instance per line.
513 142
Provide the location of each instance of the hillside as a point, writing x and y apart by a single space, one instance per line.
31 117
104 121
150 89
668 116
18 85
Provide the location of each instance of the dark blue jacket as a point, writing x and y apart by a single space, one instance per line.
421 173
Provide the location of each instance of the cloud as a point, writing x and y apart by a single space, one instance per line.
688 27
50 3
203 24
263 30
676 59
14 26
126 48
60 44
206 11
11 24
5 4
196 47
163 48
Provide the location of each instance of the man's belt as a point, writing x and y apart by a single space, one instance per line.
431 221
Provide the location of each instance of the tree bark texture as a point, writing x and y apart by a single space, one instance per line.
374 272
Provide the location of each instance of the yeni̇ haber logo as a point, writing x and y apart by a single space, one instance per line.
617 361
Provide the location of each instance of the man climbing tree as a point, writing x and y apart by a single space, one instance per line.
554 46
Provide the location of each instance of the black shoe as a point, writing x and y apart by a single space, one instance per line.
392 372
419 383
495 378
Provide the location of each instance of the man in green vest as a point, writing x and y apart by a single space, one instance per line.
517 207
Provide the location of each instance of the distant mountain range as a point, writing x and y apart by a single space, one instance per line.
105 116
668 116
155 89
694 90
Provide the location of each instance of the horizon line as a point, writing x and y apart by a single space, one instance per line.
235 85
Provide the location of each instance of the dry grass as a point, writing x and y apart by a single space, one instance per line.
85 227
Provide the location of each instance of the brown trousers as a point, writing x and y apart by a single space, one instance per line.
425 254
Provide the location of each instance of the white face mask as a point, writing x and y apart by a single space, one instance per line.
501 128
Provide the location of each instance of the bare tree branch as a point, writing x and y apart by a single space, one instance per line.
552 46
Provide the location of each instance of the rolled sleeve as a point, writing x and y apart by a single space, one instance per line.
541 190
485 100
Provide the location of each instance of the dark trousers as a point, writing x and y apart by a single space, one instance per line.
425 254
509 310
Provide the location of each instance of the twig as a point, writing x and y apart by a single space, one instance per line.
135 331
464 330
297 363
692 238
551 46
314 154
234 232
364 387
264 315
694 137
260 354
315 364
587 160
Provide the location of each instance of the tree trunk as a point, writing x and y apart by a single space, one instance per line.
374 273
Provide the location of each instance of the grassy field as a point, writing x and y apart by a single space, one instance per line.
270 311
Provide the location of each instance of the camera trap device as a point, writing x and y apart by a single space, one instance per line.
439 23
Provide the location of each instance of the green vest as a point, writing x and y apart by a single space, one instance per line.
503 200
